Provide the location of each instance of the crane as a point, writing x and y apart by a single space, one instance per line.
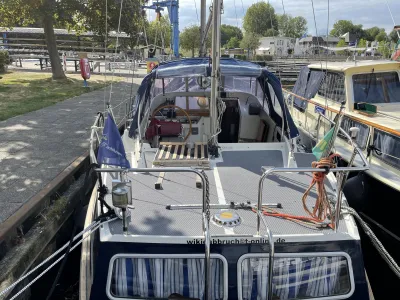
172 7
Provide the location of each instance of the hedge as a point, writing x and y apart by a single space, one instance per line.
4 61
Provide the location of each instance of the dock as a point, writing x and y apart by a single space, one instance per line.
42 154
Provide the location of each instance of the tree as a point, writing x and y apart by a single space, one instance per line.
159 32
361 44
381 36
228 32
371 33
93 18
189 38
234 42
291 27
45 12
341 43
344 26
250 41
393 36
259 18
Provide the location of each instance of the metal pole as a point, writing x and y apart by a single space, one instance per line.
215 73
203 37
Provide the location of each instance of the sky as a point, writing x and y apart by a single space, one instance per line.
367 12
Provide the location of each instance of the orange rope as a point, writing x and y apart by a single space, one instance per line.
322 209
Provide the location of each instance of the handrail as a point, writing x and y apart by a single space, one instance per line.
351 116
205 220
310 170
271 256
207 242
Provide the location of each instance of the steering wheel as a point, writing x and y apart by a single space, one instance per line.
182 110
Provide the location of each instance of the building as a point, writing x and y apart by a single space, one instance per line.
276 46
310 45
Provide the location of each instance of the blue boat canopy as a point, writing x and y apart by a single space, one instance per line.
202 67
236 70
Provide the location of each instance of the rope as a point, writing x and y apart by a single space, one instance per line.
375 242
322 209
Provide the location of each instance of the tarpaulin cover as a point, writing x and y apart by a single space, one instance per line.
307 85
229 67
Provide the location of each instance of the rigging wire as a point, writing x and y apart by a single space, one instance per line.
394 23
105 56
283 6
59 259
89 228
197 14
244 13
115 52
237 20
316 32
326 63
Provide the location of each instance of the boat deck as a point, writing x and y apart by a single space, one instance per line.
234 177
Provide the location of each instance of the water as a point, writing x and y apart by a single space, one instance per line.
67 287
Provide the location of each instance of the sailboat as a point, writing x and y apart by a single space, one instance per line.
205 195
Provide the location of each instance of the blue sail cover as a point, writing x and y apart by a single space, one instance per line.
230 67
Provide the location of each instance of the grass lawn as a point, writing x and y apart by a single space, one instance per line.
22 92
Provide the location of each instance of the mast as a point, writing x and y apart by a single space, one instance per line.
203 33
215 71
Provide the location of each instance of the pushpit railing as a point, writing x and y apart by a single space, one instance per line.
270 171
205 209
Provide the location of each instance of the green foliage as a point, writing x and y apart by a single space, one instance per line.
291 27
159 32
371 33
341 43
234 42
93 17
393 36
4 61
189 39
343 26
240 56
382 36
361 44
259 18
384 49
250 41
263 58
228 32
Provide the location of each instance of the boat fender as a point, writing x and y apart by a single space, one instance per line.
356 191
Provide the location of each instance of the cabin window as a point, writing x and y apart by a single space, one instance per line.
332 87
386 147
159 276
296 277
362 137
376 87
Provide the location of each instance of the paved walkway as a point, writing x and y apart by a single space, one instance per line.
37 146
